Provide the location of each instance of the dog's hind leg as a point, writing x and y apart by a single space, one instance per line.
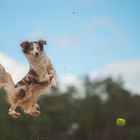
12 111
32 109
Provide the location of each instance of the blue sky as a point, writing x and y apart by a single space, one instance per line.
82 35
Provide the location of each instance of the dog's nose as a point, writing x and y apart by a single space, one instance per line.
36 54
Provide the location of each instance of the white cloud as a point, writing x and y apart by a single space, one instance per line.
129 70
101 21
66 42
118 32
37 34
88 1
92 26
72 80
16 69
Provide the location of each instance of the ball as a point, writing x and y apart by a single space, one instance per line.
121 122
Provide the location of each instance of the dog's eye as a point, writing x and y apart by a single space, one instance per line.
38 48
31 48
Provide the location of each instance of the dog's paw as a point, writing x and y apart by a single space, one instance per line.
49 77
36 106
46 78
15 115
35 113
53 85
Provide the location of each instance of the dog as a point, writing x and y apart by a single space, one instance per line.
26 92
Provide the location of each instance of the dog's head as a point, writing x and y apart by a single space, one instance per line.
34 49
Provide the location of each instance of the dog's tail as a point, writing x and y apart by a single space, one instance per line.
6 81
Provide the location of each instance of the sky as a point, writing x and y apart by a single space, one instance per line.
85 37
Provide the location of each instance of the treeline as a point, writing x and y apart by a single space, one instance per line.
66 118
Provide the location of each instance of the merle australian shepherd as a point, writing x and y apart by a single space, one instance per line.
27 91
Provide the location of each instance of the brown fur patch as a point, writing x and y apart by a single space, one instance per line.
20 83
32 72
41 43
32 77
32 80
25 46
21 94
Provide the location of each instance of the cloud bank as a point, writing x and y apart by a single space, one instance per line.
129 70
12 66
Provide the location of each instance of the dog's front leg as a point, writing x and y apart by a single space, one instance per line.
51 71
45 77
12 111
53 81
53 84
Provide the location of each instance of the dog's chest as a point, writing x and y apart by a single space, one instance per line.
41 69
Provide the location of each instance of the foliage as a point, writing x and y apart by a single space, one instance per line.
66 118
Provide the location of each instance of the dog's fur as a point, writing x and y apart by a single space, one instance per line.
27 91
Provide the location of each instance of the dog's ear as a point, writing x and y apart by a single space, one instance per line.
25 44
42 42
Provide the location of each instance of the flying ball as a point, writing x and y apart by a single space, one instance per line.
121 122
